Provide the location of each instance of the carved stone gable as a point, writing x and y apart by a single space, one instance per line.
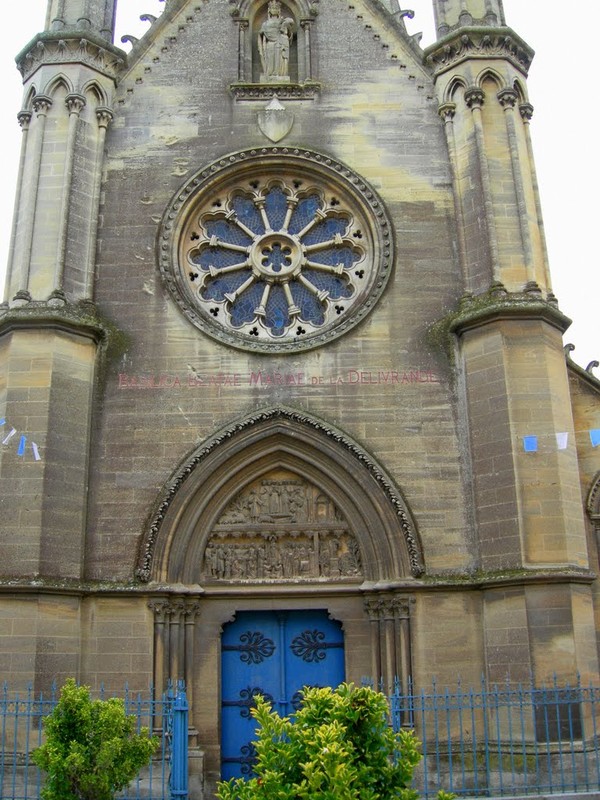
281 527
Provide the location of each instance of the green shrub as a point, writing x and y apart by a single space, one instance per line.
339 746
92 749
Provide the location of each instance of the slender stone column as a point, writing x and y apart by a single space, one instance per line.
24 118
526 111
474 98
508 101
75 103
41 106
447 112
104 117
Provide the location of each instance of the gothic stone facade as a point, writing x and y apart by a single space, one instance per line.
278 318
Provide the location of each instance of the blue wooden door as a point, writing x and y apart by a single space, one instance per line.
273 653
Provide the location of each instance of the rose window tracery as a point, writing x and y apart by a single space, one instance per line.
277 256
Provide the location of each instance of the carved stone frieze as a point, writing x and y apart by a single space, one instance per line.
281 527
70 50
479 43
283 91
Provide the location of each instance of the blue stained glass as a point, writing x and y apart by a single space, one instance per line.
227 231
277 317
304 213
218 257
311 309
325 230
276 208
247 212
334 256
215 288
244 307
337 287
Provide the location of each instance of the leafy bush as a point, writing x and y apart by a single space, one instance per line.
92 749
339 746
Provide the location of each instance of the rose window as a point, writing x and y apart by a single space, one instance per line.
280 256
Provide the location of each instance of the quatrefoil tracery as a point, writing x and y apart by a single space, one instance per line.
275 255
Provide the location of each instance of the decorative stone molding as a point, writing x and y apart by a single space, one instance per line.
498 303
80 318
71 48
272 416
592 507
283 91
593 500
479 42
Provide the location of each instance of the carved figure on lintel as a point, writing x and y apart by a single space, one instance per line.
274 38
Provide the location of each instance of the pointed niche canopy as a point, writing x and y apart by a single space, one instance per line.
280 496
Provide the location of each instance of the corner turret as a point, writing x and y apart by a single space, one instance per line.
95 16
451 14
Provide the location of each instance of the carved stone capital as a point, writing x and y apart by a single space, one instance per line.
42 104
387 607
175 609
104 117
24 118
160 609
447 111
526 110
75 103
474 97
507 98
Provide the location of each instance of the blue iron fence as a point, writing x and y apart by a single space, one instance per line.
21 731
485 742
503 740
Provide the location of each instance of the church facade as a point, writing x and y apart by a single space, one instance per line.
283 390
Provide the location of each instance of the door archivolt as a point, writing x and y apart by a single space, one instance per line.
279 496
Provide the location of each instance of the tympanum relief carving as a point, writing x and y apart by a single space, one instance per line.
281 527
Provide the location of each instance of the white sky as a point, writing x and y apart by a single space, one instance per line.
564 130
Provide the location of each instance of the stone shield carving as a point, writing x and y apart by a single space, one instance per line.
275 121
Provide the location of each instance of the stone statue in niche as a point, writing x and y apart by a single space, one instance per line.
274 38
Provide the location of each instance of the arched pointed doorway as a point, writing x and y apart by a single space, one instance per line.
277 519
197 495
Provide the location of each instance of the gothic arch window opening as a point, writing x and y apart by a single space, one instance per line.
276 250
